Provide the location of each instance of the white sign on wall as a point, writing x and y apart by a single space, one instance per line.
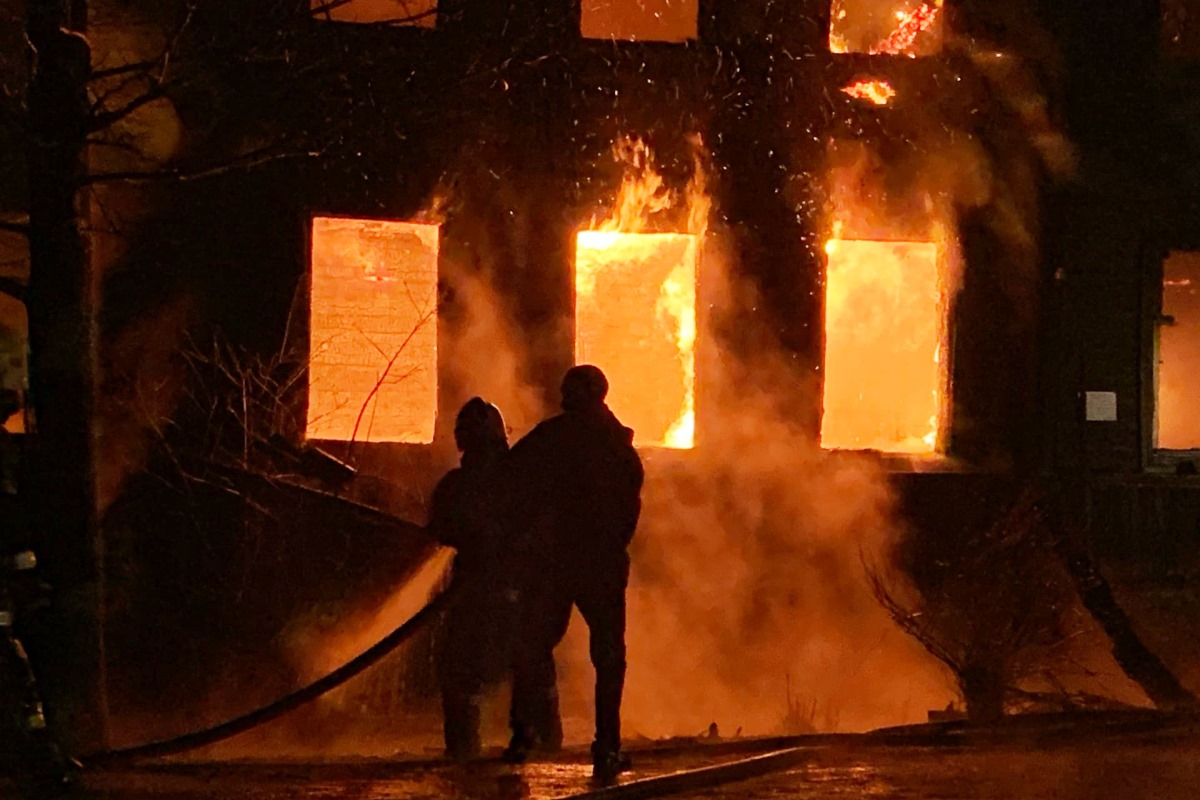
1100 406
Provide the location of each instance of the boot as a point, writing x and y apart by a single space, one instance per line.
607 764
462 713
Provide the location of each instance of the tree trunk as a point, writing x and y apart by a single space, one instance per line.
983 689
69 651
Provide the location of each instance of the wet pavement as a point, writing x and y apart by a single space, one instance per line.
1127 769
1109 772
377 779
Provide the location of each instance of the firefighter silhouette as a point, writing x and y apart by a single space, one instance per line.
32 755
466 515
578 496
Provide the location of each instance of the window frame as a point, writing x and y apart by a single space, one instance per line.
1157 459
307 218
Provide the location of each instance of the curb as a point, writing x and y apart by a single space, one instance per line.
698 779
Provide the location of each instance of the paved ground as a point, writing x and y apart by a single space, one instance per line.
378 779
1110 772
1073 767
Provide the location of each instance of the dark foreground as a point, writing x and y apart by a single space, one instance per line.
1049 766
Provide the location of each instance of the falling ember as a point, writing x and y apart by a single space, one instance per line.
635 305
883 331
373 331
876 91
862 26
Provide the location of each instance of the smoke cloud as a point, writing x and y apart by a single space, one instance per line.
748 605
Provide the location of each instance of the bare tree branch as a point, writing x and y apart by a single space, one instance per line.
391 362
249 161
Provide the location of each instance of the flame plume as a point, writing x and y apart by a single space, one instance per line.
879 92
636 300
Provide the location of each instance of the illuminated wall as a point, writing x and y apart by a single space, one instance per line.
640 20
373 331
635 318
883 329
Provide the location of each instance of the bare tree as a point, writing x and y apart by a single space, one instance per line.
74 120
996 611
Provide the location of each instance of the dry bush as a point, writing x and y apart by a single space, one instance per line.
997 609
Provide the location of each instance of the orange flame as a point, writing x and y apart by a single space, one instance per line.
879 92
900 41
911 25
636 301
885 312
883 346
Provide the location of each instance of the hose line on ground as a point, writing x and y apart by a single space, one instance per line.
282 706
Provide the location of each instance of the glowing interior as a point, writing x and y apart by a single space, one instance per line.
1178 384
891 27
14 335
373 331
883 328
639 20
397 12
635 318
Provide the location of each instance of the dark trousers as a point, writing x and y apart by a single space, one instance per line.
475 653
597 589
23 734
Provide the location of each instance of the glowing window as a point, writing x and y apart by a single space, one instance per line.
1178 379
635 318
373 331
893 27
14 371
883 330
395 12
640 20
14 322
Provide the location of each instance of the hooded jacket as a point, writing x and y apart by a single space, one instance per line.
579 482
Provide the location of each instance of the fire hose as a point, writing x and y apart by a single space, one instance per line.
284 705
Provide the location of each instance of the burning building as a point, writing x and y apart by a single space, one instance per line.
863 214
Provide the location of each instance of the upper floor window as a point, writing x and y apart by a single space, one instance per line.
14 323
394 12
886 27
640 20
1177 384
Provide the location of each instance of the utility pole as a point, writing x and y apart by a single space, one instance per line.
68 651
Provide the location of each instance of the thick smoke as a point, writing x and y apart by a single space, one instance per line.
484 351
748 605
